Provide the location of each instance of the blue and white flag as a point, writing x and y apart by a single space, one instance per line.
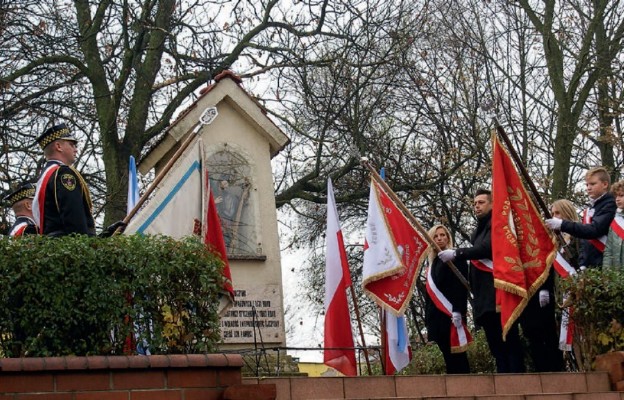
398 351
133 185
176 207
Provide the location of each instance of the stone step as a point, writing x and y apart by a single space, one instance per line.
542 396
556 386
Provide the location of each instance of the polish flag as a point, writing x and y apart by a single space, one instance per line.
339 353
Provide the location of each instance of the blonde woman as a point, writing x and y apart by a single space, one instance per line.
446 301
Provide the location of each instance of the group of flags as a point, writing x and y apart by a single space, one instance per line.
394 249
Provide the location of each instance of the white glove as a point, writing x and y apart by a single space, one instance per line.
456 319
544 298
554 223
447 255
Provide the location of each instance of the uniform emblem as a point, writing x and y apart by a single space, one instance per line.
69 181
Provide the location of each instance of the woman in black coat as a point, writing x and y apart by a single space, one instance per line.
446 300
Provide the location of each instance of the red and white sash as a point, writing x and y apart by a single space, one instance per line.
617 226
483 264
562 266
460 337
18 229
597 243
39 201
566 330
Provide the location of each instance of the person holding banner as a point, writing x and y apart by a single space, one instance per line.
507 353
446 303
566 210
566 265
614 249
539 327
596 219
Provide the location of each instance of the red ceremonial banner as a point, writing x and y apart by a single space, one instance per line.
524 249
393 253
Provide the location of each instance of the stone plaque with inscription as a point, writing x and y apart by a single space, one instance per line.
255 307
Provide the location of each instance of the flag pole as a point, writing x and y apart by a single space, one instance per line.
414 222
206 118
525 174
356 308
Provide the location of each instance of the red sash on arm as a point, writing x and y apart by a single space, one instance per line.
460 337
597 243
39 201
617 226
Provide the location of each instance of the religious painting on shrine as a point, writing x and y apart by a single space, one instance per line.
231 183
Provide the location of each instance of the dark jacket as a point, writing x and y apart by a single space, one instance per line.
603 213
481 282
438 323
67 204
29 227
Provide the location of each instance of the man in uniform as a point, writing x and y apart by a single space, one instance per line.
62 204
21 201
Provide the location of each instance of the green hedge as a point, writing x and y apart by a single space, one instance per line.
597 298
73 295
427 359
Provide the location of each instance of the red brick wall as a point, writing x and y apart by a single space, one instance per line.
172 377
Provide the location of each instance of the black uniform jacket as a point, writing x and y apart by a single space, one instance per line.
481 282
67 204
29 227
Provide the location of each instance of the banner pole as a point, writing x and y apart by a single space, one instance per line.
205 118
356 308
525 174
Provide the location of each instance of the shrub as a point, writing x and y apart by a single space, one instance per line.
427 359
74 295
596 297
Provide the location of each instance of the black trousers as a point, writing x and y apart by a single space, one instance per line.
539 327
440 331
456 363
508 354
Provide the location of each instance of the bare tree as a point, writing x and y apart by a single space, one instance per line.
117 71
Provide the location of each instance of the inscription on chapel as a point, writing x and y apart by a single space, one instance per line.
255 309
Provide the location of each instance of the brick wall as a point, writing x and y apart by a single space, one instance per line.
161 377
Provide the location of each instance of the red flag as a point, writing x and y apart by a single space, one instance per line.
213 238
338 333
525 249
393 253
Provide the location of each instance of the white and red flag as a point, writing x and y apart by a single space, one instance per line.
339 352
393 253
